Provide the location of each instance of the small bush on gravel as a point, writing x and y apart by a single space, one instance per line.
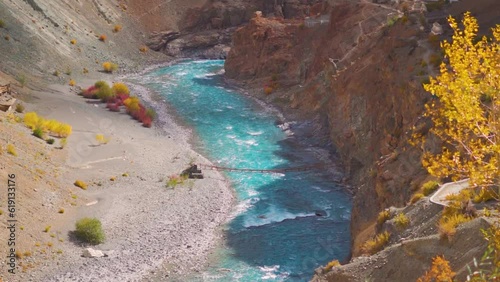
103 38
416 197
19 108
90 230
117 28
2 24
38 132
50 141
81 184
109 67
11 150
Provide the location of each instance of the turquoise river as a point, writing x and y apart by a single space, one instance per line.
274 234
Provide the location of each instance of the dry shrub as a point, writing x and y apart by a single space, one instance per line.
120 88
103 38
109 67
73 41
117 28
378 243
416 197
429 187
440 271
383 216
448 224
331 265
401 221
143 49
81 184
72 82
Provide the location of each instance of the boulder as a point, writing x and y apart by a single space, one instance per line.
437 29
91 253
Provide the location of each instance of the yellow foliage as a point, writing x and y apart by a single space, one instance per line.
429 187
383 216
109 66
401 221
466 113
73 41
101 139
332 264
378 243
11 150
484 195
31 120
440 271
120 88
132 104
72 82
81 184
449 223
416 197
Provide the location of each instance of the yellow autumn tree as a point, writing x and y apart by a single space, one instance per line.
466 109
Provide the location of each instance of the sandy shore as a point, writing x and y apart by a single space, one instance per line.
148 227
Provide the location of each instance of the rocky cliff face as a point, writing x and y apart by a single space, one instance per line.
360 75
205 30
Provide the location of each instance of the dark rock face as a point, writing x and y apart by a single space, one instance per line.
205 32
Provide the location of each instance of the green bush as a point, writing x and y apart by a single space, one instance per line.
105 93
2 24
90 230
19 108
50 141
38 132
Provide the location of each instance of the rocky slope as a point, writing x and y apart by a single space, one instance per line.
359 76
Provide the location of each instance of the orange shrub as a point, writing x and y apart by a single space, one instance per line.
143 49
440 271
103 38
117 28
109 67
73 41
268 90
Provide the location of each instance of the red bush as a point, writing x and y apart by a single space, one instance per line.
122 97
113 107
146 122
90 93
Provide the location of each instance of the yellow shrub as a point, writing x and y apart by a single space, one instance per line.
401 221
117 28
484 195
64 130
383 216
332 264
120 88
429 187
73 41
72 82
81 184
416 197
440 271
109 66
11 150
101 139
31 120
143 49
103 38
378 243
448 224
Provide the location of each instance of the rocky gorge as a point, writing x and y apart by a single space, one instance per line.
355 68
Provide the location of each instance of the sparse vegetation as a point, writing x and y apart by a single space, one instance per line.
61 210
81 184
143 49
11 150
73 41
109 67
19 108
33 121
103 38
383 216
484 195
429 187
416 197
2 24
376 244
72 82
101 139
117 28
175 180
331 265
50 141
401 221
440 271
47 229
90 230
63 142
448 224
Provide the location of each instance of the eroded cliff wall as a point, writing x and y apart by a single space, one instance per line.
360 75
